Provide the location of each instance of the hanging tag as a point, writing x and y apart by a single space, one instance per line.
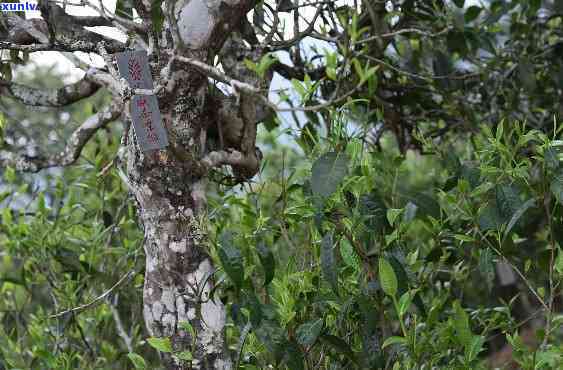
150 133
134 67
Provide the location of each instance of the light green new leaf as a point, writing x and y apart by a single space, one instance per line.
393 340
405 302
392 214
137 361
474 348
387 277
184 355
160 344
461 325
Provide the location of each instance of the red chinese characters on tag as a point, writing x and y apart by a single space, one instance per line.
146 117
135 69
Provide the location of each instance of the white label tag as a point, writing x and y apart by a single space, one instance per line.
134 67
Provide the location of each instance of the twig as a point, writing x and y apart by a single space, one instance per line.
96 300
400 32
551 267
422 77
120 329
216 74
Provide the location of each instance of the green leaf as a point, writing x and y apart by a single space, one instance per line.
490 218
387 277
250 64
308 332
41 206
137 361
328 262
519 213
339 345
559 262
10 175
231 259
6 71
459 3
551 157
349 256
374 212
474 348
187 327
472 13
298 87
370 72
404 303
400 273
392 215
293 356
272 336
358 68
157 16
327 173
160 344
265 63
331 73
461 325
7 218
507 200
457 42
393 340
267 260
124 8
254 307
556 186
486 267
184 355
464 238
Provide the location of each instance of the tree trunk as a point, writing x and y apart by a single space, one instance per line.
169 186
179 271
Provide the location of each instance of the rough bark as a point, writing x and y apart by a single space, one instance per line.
169 186
171 206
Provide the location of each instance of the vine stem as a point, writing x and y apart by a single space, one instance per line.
551 266
396 304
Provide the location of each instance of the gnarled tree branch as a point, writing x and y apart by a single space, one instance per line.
75 45
49 97
71 152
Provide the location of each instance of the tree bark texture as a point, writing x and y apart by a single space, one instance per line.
169 186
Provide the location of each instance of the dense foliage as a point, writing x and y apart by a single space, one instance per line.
351 258
413 219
